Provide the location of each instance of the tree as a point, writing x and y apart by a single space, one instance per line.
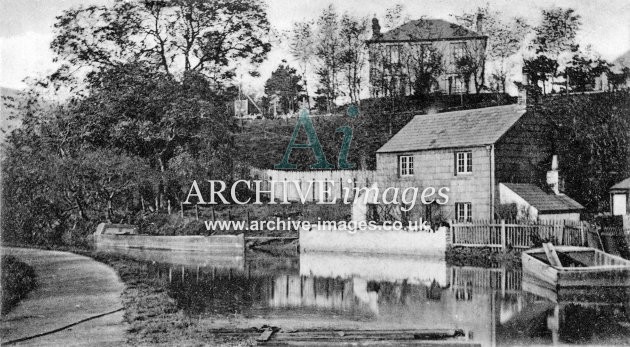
302 48
153 116
620 79
204 36
424 64
328 49
557 31
285 84
354 33
582 70
540 69
395 16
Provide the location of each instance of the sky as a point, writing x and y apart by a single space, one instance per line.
26 27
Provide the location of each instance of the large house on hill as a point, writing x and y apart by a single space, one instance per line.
472 152
422 56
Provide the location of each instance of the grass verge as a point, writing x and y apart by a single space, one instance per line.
154 317
18 279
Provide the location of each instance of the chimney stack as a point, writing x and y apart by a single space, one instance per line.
479 23
376 29
553 180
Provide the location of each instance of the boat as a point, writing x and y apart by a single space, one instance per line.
564 273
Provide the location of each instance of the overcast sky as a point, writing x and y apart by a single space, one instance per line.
26 26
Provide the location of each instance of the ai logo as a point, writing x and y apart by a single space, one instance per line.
304 121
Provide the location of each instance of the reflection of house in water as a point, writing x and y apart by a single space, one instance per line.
336 292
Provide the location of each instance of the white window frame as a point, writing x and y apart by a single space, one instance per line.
463 211
464 161
405 165
393 54
459 50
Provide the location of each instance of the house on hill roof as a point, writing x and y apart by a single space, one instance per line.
404 60
428 30
470 152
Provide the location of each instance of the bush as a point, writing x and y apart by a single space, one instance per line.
18 279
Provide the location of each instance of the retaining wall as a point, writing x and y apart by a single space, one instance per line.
224 244
374 242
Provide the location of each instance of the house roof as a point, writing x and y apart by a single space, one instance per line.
467 128
543 201
428 29
623 185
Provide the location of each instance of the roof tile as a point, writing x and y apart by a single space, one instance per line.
475 127
543 201
428 29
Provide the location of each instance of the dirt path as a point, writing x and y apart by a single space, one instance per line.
71 291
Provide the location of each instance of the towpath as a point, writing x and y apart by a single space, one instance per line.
77 302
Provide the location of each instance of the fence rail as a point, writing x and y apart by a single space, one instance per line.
505 234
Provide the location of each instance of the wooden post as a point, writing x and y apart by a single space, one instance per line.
168 206
503 239
142 203
181 209
551 254
196 211
213 217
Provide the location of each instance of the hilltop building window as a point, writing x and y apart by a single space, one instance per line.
393 54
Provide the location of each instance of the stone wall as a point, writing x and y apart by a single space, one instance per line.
381 241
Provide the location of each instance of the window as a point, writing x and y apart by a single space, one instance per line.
463 163
405 165
393 54
459 50
463 211
457 85
426 52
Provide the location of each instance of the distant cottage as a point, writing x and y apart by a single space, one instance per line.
422 56
472 152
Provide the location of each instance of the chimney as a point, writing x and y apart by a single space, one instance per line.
376 29
553 181
479 23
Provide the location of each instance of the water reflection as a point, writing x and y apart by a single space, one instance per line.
491 305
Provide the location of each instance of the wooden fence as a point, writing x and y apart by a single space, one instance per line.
520 235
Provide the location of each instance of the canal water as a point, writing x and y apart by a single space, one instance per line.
345 292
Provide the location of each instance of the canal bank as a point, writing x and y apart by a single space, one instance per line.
77 302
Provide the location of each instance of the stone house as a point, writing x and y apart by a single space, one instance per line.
421 56
471 152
